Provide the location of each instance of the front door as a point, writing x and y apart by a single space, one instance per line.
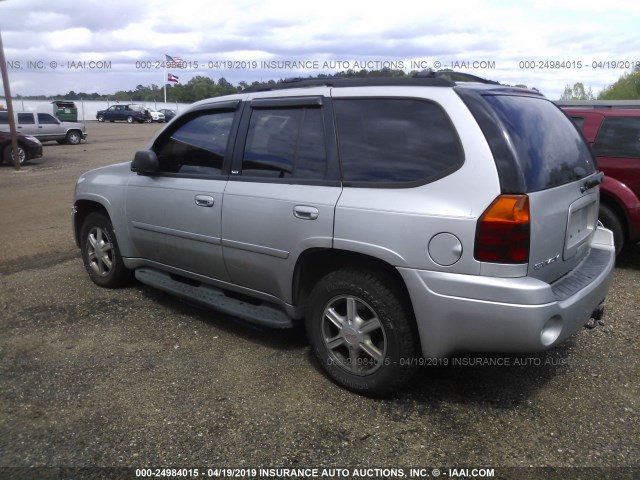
174 216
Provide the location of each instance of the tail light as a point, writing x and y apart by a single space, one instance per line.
502 234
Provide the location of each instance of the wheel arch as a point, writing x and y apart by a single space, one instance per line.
315 263
82 209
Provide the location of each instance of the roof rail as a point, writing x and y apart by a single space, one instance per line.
599 104
339 82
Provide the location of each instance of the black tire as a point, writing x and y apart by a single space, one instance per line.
101 254
612 221
74 137
7 155
129 119
101 118
391 338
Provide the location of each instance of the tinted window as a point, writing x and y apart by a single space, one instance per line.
618 137
197 146
548 149
395 140
4 118
578 122
285 143
46 119
26 119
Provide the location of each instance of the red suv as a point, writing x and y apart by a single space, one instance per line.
614 136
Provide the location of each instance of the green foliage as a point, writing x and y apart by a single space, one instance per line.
626 88
577 92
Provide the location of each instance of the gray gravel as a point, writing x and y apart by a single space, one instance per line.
134 377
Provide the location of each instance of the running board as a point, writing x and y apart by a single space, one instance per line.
263 314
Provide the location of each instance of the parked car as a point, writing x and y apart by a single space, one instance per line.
45 127
614 135
399 218
168 114
123 113
156 116
29 147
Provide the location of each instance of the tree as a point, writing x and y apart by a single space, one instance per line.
626 87
577 92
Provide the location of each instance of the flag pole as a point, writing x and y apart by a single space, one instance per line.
164 81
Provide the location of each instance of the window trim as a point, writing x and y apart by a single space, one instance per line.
398 184
333 176
235 106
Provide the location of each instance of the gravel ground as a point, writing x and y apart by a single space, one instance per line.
92 377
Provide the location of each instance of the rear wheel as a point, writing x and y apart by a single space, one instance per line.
360 329
100 252
611 220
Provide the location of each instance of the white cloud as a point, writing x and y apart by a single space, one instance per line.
122 32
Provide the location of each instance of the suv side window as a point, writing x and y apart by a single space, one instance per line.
618 137
285 143
46 119
4 118
197 146
26 119
578 122
395 140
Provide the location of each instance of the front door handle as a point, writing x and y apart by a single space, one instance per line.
305 212
204 201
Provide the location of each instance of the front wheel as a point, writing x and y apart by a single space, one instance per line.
129 119
101 118
9 158
361 330
74 137
100 252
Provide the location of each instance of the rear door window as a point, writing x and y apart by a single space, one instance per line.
394 141
26 119
286 143
618 137
548 148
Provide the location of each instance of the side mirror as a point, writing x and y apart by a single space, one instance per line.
145 161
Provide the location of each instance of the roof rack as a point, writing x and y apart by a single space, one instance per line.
443 78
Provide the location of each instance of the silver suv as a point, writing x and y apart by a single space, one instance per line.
45 127
399 218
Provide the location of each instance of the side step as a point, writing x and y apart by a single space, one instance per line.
264 314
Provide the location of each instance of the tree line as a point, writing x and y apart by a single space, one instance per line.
627 87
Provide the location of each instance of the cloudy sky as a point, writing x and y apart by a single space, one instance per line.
103 46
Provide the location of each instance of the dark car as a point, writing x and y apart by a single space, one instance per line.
28 148
614 135
168 114
124 113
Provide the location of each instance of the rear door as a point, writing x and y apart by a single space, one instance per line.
282 191
26 123
554 167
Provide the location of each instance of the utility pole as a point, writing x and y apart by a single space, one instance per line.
7 96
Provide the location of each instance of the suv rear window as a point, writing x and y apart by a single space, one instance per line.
395 140
618 137
548 148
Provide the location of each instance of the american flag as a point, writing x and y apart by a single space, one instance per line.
175 62
172 78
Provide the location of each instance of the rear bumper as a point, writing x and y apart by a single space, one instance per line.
456 313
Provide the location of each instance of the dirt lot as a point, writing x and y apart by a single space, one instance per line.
133 377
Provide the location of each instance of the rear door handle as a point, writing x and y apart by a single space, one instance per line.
204 201
305 212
